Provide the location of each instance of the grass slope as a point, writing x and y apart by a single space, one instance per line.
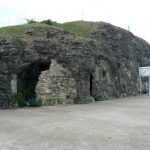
15 31
79 28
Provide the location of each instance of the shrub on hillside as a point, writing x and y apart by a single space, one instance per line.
48 22
30 21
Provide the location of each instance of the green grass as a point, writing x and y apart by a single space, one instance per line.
79 28
16 31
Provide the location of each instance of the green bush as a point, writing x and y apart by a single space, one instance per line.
30 21
34 103
23 102
48 22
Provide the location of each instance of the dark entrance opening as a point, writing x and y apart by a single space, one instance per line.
145 85
104 73
91 85
28 78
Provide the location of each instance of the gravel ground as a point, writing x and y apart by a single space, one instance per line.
120 124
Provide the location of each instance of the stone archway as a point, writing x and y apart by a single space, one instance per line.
28 77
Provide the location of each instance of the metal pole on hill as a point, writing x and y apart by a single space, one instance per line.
82 14
128 28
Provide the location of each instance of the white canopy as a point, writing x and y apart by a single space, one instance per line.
144 71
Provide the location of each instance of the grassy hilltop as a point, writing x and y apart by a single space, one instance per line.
80 28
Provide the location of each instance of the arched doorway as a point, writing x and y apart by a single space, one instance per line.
28 77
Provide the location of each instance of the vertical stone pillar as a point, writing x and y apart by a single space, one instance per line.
14 83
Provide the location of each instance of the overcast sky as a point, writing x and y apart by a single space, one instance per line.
123 13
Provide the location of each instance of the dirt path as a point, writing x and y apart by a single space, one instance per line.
122 124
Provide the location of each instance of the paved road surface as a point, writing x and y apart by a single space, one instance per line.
122 124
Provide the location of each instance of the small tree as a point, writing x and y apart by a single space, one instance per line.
29 21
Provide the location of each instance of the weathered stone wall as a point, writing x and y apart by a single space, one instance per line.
103 84
123 54
56 86
99 68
